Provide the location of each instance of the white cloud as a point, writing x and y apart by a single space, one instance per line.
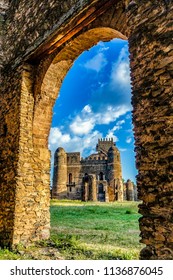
82 126
116 127
111 132
120 122
128 140
73 143
111 113
56 136
82 133
86 120
121 70
122 150
96 63
87 109
112 135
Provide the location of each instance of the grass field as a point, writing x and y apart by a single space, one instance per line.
87 230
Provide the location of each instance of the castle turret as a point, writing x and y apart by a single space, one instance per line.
59 189
114 163
114 173
104 144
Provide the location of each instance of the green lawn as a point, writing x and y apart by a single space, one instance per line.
103 230
88 230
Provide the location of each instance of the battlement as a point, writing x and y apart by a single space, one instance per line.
105 140
104 144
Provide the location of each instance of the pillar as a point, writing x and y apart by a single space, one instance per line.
151 60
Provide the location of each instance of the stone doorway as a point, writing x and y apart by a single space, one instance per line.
101 193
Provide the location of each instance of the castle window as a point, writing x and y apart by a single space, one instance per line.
70 178
101 176
101 189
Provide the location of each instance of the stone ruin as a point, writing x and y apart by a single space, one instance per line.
39 41
95 178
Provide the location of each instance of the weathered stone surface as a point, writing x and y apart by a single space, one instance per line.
39 42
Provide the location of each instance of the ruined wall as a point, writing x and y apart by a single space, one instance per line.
26 115
151 65
33 23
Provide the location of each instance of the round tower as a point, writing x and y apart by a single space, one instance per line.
59 189
114 163
114 173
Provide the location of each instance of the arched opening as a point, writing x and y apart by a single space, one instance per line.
86 193
101 193
52 82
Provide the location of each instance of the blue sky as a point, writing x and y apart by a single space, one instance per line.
95 102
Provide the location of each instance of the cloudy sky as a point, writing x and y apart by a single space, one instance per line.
95 102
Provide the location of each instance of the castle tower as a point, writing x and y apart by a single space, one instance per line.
104 145
114 164
130 190
114 173
59 189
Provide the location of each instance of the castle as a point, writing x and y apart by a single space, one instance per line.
95 178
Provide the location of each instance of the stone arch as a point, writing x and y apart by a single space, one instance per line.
24 210
50 79
42 83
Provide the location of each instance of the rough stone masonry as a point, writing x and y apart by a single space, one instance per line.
39 42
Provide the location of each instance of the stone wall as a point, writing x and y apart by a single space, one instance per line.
3 9
152 65
25 114
40 40
31 25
